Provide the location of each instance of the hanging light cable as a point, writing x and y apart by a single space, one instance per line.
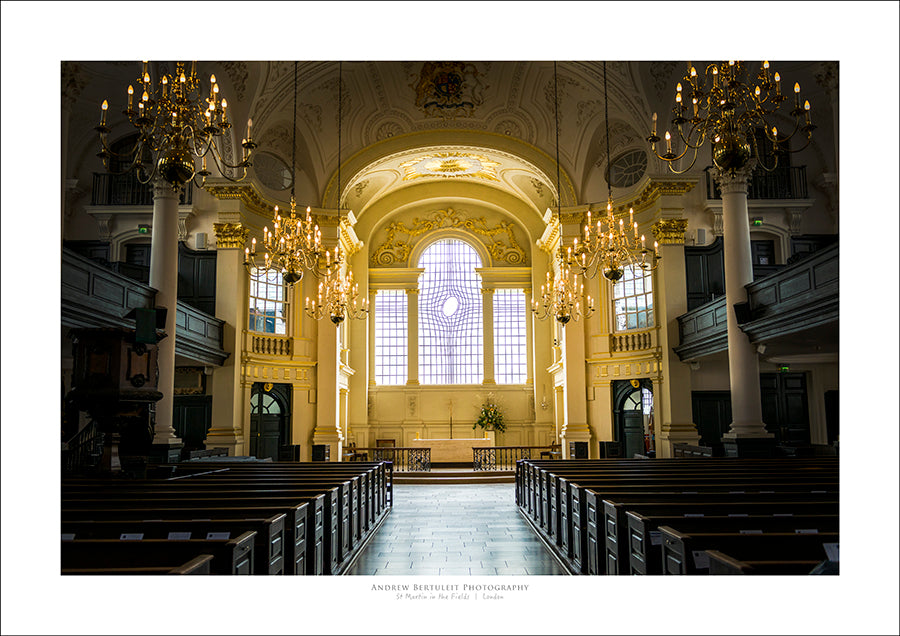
295 243
338 294
610 247
560 296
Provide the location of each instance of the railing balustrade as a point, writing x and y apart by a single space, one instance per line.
504 457
783 183
125 189
403 458
83 451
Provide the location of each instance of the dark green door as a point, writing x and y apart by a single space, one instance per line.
267 422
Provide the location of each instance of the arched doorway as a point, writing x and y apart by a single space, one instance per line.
269 414
632 409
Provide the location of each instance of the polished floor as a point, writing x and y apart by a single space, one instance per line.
472 529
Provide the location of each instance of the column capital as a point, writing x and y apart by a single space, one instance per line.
670 231
230 235
734 181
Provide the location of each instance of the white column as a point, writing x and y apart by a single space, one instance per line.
412 336
743 363
487 328
164 279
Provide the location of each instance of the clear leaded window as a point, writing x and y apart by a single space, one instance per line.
450 315
633 297
509 336
390 336
268 302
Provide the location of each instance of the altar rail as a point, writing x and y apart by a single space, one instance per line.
403 459
505 457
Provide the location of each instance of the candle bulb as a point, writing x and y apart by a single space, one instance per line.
668 143
635 231
642 241
130 95
805 108
165 85
695 106
249 128
105 105
654 124
656 248
777 84
797 94
224 112
715 74
246 255
253 246
630 216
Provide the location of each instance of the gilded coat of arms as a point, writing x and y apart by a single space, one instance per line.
449 89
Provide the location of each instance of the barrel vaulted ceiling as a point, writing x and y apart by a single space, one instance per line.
405 123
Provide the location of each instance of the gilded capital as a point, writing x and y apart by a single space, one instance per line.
670 231
230 235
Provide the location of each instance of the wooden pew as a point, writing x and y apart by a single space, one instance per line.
645 538
198 565
760 562
305 546
612 528
684 553
230 556
335 513
270 534
545 492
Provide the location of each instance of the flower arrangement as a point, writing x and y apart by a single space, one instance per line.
490 418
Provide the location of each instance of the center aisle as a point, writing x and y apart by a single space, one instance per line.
472 529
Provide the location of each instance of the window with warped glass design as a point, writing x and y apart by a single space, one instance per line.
390 336
450 315
268 303
633 299
510 355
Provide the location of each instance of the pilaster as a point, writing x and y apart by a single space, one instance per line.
672 390
231 306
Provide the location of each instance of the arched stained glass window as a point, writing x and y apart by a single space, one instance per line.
450 315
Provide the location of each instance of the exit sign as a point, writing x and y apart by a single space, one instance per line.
143 229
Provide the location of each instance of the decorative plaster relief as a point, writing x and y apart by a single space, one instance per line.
670 231
397 250
448 89
230 235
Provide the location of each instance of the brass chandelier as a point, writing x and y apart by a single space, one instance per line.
176 124
560 296
295 243
610 247
728 104
338 294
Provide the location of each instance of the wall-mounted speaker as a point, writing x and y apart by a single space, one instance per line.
701 236
200 241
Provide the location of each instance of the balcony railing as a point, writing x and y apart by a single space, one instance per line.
125 189
799 296
783 183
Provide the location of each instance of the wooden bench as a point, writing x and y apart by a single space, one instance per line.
230 556
198 565
684 553
645 538
270 534
760 561
304 547
563 499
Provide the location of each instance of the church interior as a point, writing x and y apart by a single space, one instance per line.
362 282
